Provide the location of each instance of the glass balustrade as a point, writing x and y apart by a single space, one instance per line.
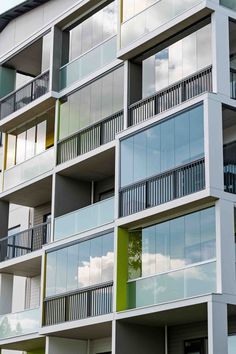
153 17
84 219
29 169
180 284
87 63
19 324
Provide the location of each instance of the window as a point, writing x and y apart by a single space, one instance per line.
80 265
174 142
28 140
195 346
94 102
93 31
179 60
173 244
232 344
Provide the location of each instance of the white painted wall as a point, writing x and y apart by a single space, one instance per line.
100 346
17 32
64 345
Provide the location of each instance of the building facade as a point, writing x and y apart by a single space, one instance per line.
118 177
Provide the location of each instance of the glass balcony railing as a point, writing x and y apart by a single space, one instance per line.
88 62
231 4
29 169
24 95
153 17
19 324
85 219
180 284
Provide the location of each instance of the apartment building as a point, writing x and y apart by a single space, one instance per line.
118 177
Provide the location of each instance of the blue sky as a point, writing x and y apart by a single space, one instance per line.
7 4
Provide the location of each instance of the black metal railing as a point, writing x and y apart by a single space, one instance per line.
25 242
230 177
24 95
90 138
233 83
163 188
171 96
89 302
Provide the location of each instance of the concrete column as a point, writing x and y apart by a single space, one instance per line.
225 247
217 328
213 143
220 53
6 291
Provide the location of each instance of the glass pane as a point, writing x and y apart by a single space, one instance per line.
107 83
41 137
182 143
162 69
163 247
200 280
154 151
192 238
135 255
107 257
84 264
61 271
20 147
208 234
177 242
74 112
204 50
30 142
75 42
46 51
175 62
109 20
96 101
51 274
127 158
11 150
97 28
190 55
72 268
140 152
232 339
167 145
148 72
128 9
96 261
196 133
149 251
118 90
64 119
86 34
84 109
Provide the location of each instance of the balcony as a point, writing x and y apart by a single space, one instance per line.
87 302
19 324
230 177
25 242
29 169
84 219
228 3
153 17
162 188
172 96
89 62
25 95
90 138
175 285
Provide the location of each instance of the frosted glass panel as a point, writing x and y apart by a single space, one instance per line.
20 148
41 137
30 142
11 150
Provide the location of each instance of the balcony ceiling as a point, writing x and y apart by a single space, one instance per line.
18 10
